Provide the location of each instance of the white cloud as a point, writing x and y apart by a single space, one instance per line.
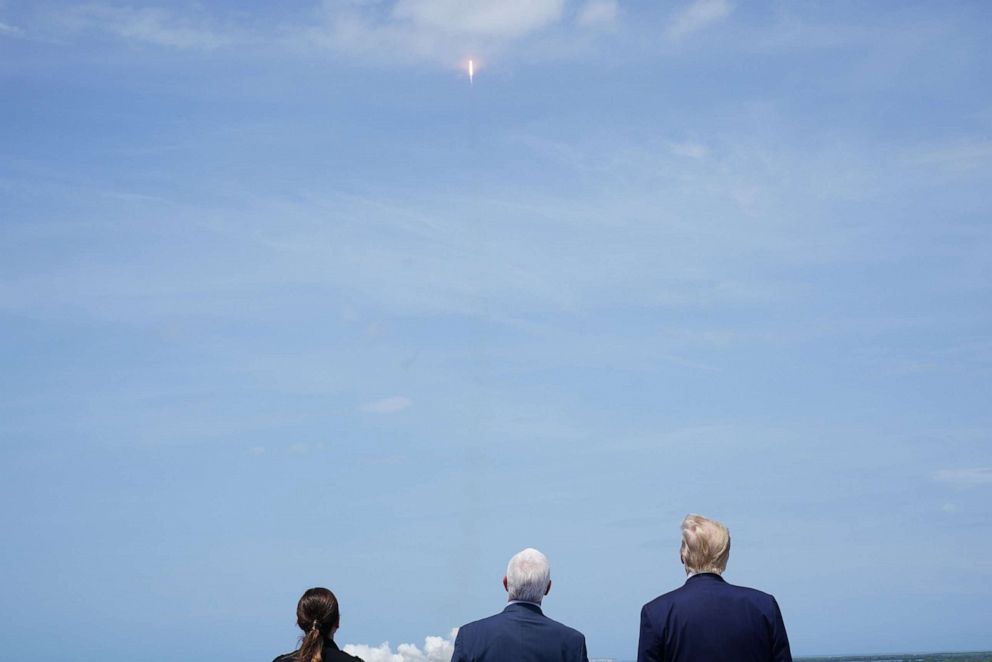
256 450
388 405
697 15
149 25
964 477
436 649
598 12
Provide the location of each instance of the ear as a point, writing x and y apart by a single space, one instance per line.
505 587
548 589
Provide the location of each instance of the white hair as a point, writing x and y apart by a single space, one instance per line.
705 544
527 576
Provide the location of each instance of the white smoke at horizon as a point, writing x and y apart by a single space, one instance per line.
436 649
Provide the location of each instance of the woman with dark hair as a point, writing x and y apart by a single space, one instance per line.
318 616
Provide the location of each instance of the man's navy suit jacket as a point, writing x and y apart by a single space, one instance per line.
520 633
709 620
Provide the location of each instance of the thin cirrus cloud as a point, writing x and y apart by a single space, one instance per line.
149 25
10 30
444 31
430 30
696 16
598 13
690 150
505 19
391 405
973 154
969 477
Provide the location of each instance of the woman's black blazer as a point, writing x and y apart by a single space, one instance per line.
331 654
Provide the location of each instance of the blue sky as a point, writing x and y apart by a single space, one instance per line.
285 301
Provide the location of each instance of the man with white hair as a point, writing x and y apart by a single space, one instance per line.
707 619
521 632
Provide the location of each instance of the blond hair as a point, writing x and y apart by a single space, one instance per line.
705 544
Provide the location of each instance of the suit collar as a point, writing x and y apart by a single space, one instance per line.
523 606
706 577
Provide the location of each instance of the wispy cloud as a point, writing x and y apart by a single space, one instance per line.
596 13
691 150
504 19
10 30
698 15
969 477
434 30
390 405
637 240
441 31
149 25
959 156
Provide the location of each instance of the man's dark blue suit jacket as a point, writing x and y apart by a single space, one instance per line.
520 633
709 620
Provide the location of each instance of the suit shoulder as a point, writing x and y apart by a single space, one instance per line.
663 600
286 657
482 624
468 628
753 593
567 631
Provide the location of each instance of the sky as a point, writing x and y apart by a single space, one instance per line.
286 300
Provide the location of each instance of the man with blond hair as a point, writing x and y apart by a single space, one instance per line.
521 632
707 619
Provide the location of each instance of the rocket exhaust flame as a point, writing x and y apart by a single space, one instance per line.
471 72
